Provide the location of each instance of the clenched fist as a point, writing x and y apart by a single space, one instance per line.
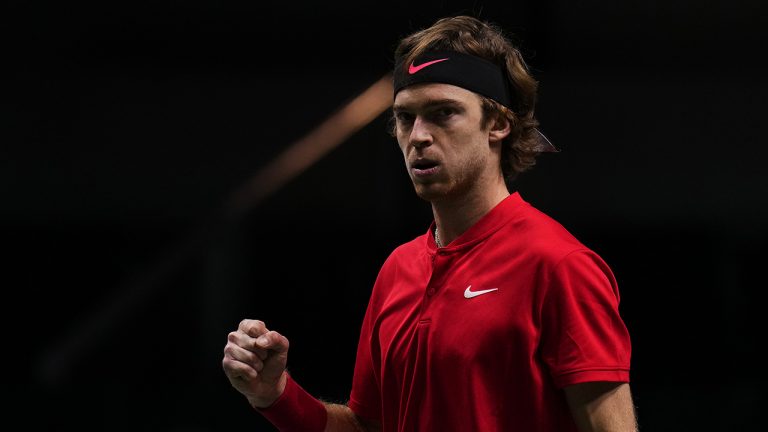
254 362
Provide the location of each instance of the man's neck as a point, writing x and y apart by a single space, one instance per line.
454 216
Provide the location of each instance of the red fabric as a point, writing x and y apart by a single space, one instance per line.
431 359
296 410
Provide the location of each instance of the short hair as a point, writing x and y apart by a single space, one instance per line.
469 35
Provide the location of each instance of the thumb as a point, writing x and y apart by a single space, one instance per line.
277 355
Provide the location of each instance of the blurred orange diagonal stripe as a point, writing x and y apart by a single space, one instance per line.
306 151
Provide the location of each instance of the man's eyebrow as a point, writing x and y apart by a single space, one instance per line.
428 104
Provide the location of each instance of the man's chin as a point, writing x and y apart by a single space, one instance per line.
429 192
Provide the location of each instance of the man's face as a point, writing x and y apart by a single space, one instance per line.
448 150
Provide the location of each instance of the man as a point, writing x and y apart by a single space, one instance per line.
496 319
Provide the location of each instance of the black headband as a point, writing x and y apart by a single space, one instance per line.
465 71
462 70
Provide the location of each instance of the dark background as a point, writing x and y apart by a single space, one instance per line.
126 126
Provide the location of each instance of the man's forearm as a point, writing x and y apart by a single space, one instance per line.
602 407
342 419
297 410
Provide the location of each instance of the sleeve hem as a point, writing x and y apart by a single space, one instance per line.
362 410
590 375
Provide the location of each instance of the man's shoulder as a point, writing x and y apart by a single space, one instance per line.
542 235
408 252
411 248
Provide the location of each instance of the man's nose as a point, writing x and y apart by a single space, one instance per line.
420 136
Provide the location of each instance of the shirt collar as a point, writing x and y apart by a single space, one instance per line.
487 225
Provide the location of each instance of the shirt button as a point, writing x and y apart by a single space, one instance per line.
431 291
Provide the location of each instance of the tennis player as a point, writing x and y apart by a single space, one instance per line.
496 318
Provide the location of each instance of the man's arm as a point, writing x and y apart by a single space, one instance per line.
342 419
602 407
254 362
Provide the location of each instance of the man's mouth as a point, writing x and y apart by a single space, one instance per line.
425 167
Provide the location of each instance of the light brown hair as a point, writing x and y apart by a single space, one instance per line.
486 40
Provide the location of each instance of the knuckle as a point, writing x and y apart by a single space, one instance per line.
250 326
280 339
258 326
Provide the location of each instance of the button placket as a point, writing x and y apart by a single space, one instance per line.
437 273
436 279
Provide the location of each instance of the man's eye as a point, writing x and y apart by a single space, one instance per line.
404 117
445 112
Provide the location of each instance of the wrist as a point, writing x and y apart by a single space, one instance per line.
263 402
295 410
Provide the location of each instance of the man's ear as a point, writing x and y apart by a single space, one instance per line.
500 129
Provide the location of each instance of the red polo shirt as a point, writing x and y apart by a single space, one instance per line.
483 334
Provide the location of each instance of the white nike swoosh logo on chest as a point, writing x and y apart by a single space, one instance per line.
468 293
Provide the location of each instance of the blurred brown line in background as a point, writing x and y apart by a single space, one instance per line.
56 362
312 147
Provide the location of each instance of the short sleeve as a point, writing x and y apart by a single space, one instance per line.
365 398
583 336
